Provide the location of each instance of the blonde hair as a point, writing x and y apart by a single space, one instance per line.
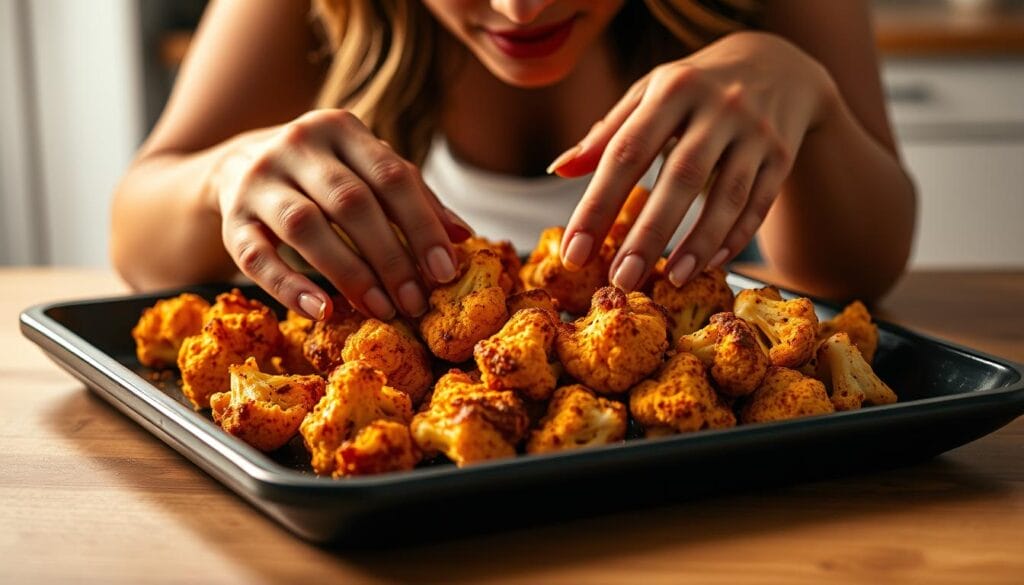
384 67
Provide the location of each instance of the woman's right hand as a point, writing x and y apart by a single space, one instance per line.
291 182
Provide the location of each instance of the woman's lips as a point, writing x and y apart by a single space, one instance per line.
532 43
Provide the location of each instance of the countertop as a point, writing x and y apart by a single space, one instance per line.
88 496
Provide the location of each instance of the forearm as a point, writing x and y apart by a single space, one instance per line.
844 223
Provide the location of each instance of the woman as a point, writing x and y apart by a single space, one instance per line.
784 126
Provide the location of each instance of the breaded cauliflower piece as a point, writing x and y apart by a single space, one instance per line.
572 290
163 328
728 348
620 341
788 329
382 446
325 342
510 263
577 418
227 338
691 305
848 375
356 396
232 302
855 321
537 298
518 357
265 410
466 311
468 422
393 349
294 331
785 394
679 399
627 216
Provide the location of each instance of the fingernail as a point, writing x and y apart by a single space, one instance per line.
313 306
455 219
577 252
564 158
681 271
411 299
630 270
718 258
440 263
378 304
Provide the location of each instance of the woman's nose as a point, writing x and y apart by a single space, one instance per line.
520 11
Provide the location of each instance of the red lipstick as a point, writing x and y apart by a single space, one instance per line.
532 43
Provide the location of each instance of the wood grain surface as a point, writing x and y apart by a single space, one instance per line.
87 496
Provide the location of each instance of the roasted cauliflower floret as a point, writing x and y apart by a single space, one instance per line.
785 394
577 418
518 357
855 321
848 375
326 340
728 348
163 328
786 329
466 311
227 339
232 302
627 216
620 341
679 399
510 264
265 410
537 298
294 331
382 446
691 305
571 289
356 396
393 349
469 422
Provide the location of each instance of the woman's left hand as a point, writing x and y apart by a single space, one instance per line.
737 112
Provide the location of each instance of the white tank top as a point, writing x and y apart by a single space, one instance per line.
506 207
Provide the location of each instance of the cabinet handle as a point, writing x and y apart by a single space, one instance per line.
917 93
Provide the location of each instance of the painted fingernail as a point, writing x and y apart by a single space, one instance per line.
459 222
681 271
440 263
577 252
718 258
411 299
313 306
378 304
564 158
630 270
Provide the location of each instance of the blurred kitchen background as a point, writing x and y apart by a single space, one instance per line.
82 81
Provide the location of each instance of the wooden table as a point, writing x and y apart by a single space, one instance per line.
88 496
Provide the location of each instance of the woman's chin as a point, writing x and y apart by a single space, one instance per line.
528 75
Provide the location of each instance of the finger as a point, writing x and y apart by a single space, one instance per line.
629 154
301 224
726 201
765 190
682 178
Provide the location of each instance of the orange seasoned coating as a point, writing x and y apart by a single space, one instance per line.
537 298
785 394
728 348
231 303
466 311
577 418
620 341
679 399
393 349
356 396
518 357
265 410
571 289
382 446
163 328
294 331
627 216
848 376
691 305
510 263
787 329
855 321
228 338
468 422
326 340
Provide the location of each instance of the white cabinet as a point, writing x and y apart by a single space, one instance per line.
960 124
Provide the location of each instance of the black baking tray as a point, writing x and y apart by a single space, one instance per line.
949 396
